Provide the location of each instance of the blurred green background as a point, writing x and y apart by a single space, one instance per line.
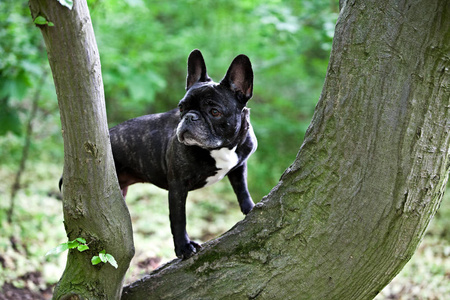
144 47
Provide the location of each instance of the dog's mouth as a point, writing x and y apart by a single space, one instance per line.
189 139
186 137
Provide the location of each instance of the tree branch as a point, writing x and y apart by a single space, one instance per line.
351 210
93 206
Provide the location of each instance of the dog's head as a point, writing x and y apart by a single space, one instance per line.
213 115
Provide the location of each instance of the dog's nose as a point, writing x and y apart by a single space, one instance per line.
191 117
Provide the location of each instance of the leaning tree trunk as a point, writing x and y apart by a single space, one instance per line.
353 207
93 205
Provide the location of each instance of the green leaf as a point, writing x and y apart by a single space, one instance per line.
102 256
81 240
95 260
58 249
112 260
40 20
82 248
73 244
66 3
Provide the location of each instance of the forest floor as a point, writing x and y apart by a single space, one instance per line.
37 226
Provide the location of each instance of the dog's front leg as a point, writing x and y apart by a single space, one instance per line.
238 180
184 247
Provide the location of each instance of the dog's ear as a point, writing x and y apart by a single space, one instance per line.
196 69
239 78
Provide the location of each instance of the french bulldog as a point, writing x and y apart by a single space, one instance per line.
208 137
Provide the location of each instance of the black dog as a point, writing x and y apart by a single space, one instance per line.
207 137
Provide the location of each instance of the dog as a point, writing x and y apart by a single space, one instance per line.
208 137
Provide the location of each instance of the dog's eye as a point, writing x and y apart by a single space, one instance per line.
180 108
215 112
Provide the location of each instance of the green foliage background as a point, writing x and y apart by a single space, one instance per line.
144 47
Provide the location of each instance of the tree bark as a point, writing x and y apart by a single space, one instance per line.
349 213
93 205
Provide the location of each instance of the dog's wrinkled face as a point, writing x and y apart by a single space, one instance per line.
212 113
210 117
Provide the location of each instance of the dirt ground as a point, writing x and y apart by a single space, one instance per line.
10 292
36 289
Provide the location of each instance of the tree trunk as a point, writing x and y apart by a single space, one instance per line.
349 213
93 205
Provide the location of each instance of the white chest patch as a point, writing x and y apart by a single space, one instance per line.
225 159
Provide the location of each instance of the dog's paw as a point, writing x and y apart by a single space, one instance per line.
187 250
247 206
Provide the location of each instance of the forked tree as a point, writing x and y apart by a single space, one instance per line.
345 217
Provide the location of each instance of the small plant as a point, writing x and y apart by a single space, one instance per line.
40 20
81 245
78 243
104 257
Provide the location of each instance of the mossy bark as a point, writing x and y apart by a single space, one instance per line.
349 213
93 205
